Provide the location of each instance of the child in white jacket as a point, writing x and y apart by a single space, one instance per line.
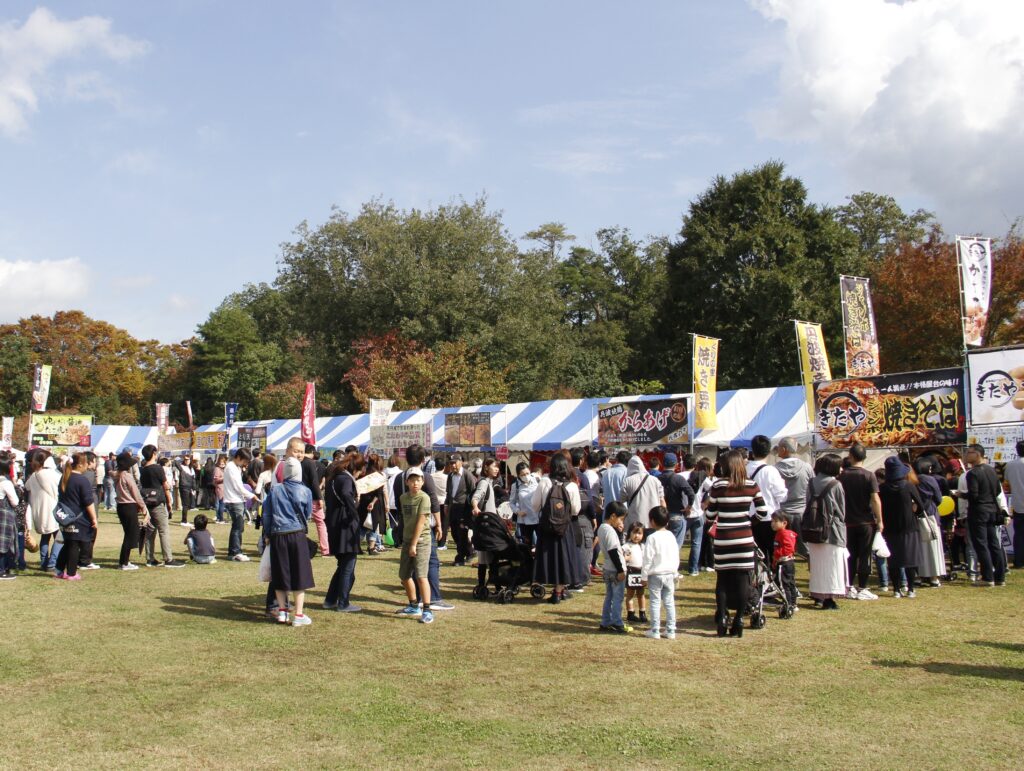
661 563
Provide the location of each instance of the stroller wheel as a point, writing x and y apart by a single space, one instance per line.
953 576
537 591
757 621
785 611
510 596
500 596
479 592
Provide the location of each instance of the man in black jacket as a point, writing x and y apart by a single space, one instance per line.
460 487
984 516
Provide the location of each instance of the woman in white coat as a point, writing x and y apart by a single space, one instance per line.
42 488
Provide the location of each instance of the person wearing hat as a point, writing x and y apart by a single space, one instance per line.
681 515
130 508
901 508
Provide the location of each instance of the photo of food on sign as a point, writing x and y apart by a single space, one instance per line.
637 424
996 386
915 409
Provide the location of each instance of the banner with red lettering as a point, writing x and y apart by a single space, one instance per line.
644 423
309 414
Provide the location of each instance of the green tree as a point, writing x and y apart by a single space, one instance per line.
15 375
752 256
551 235
880 225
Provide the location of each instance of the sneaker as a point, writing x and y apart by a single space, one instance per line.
911 594
413 611
694 573
301 620
282 616
8 576
442 548
935 583
577 588
603 628
654 634
350 608
596 573
670 635
620 629
129 566
1000 583
75 577
427 617
174 564
59 575
883 588
90 566
185 524
441 605
852 594
866 594
709 570
152 564
897 595
241 558
330 605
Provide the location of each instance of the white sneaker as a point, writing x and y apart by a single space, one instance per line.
654 634
90 566
670 635
185 524
866 594
302 620
852 594
241 558
129 566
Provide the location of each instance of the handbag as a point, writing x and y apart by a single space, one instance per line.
880 547
31 544
264 570
927 528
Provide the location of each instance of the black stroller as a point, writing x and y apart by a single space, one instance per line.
766 588
511 563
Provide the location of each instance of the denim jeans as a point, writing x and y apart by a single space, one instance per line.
236 514
883 571
342 581
372 537
614 591
109 497
662 592
49 550
220 509
433 572
695 526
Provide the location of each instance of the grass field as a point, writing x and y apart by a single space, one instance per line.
181 669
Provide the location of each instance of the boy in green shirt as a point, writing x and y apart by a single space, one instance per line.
415 506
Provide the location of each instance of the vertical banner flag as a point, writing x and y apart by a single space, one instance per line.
705 380
188 414
6 434
41 387
813 359
163 412
380 409
230 413
308 430
859 333
974 260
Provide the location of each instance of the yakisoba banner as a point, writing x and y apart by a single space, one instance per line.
705 382
859 333
974 258
913 409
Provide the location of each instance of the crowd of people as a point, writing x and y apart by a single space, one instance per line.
588 514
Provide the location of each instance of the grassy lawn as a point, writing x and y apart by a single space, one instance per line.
180 668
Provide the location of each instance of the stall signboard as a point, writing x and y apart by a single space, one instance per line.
49 430
388 438
253 438
996 381
210 441
1000 442
175 443
467 430
644 423
912 409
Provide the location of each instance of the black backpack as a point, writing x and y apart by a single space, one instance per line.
812 525
555 515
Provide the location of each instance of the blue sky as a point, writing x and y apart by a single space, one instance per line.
155 155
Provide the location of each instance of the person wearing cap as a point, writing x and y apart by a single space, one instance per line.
130 508
414 562
984 515
681 515
899 500
286 515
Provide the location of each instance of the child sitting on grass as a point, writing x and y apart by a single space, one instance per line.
415 506
784 555
661 563
200 542
636 599
609 537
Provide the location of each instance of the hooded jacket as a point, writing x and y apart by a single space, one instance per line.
797 474
641 492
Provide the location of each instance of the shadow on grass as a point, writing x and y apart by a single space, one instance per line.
555 625
956 668
248 608
1013 647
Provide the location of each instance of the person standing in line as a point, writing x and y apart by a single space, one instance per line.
109 494
1013 473
587 521
901 508
614 476
9 501
863 520
681 515
797 474
554 563
77 495
218 487
235 496
827 560
343 530
521 501
984 516
157 495
413 564
130 507
609 536
641 492
773 490
311 478
285 520
43 489
85 559
459 489
186 488
660 569
931 560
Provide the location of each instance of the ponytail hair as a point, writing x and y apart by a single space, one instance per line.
77 459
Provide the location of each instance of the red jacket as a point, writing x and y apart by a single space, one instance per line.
785 545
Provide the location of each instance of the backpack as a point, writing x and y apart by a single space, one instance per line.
812 524
555 514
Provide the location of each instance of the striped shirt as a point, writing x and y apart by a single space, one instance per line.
730 508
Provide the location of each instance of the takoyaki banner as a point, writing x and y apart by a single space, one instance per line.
912 409
997 386
644 423
60 430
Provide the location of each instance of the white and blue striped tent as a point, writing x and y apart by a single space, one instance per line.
107 439
551 425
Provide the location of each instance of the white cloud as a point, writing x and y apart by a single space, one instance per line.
41 286
30 52
917 98
409 127
587 156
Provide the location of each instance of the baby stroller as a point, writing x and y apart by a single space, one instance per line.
511 563
766 588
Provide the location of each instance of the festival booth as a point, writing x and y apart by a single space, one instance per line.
113 439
